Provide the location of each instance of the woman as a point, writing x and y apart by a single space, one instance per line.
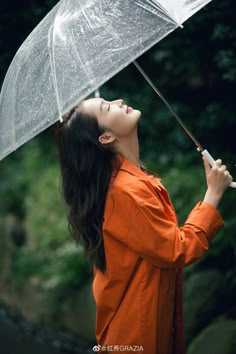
125 219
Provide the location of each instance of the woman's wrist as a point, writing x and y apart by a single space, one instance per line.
212 197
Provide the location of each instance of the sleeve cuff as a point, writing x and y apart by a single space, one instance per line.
206 218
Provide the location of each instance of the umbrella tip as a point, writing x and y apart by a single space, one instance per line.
97 93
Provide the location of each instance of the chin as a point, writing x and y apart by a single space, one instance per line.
138 113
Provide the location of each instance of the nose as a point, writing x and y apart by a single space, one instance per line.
119 102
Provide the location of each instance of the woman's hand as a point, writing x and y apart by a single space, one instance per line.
218 180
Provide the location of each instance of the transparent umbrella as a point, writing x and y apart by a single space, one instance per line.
75 49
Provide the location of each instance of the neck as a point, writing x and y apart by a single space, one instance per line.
129 149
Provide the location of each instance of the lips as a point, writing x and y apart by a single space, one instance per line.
128 109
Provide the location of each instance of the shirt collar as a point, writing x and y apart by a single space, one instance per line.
129 167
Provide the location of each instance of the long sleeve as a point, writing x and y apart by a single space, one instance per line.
140 220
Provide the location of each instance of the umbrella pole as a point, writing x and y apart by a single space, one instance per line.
204 152
179 120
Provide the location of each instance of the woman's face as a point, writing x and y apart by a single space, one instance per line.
114 116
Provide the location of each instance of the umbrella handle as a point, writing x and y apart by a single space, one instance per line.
211 161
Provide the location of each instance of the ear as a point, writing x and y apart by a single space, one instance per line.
106 138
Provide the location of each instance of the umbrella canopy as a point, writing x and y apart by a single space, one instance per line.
76 48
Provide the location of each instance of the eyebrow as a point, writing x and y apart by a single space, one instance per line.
101 106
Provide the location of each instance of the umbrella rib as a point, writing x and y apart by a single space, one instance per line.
164 15
178 119
53 66
162 11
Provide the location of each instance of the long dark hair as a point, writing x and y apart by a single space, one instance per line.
86 169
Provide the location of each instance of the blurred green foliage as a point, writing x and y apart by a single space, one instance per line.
49 259
195 68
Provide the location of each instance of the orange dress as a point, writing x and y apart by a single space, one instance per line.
139 297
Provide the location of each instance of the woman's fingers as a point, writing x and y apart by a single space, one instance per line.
216 166
217 176
221 170
228 176
206 165
218 163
